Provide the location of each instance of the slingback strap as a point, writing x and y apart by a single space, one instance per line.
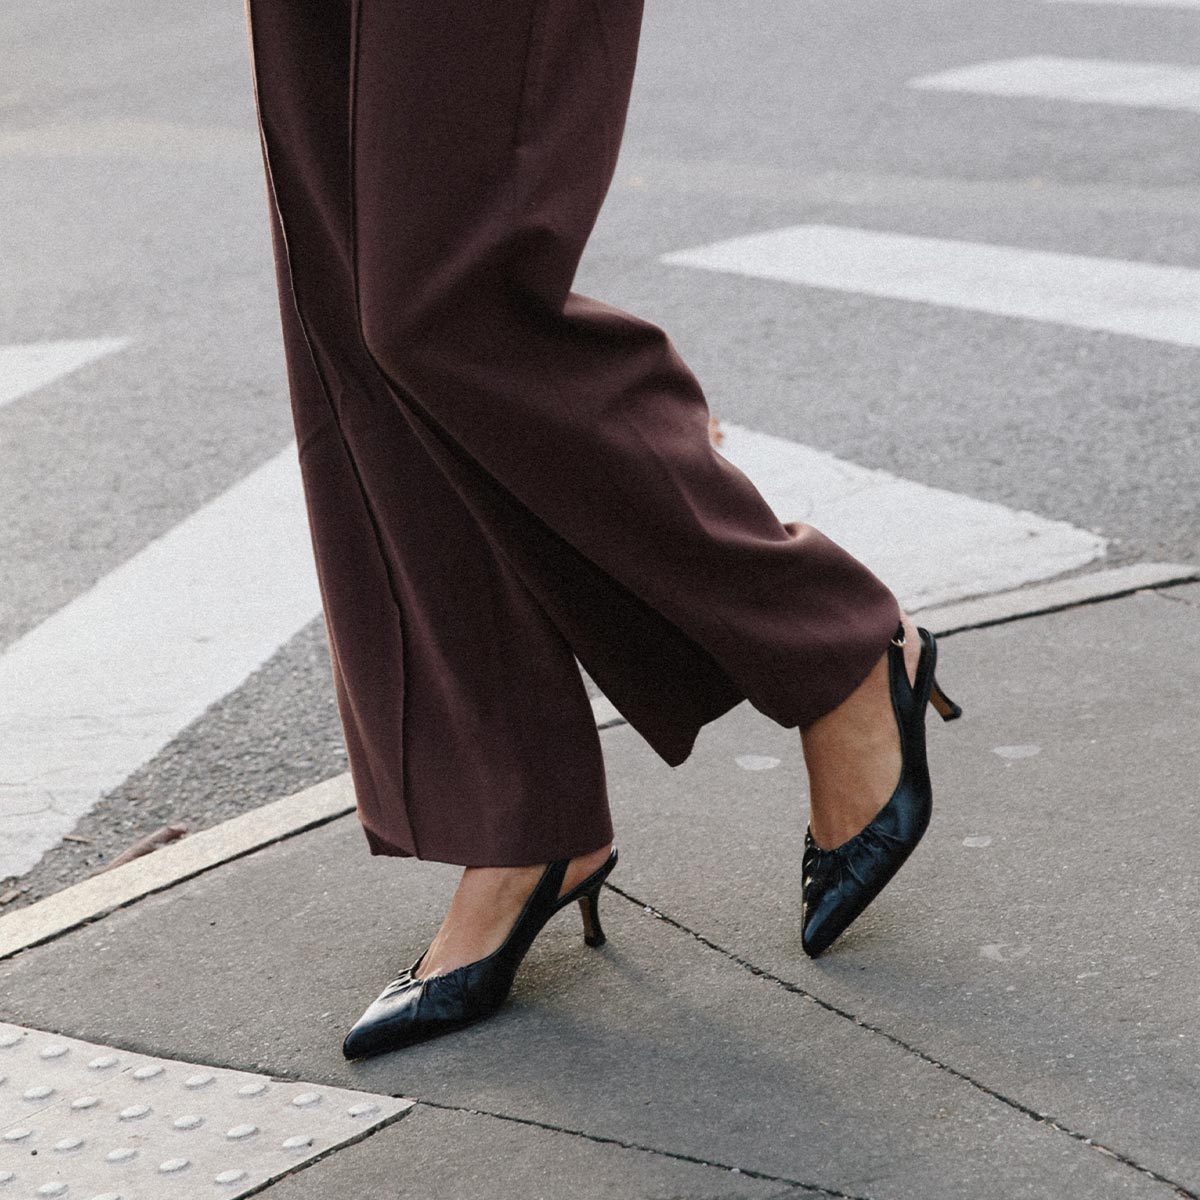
593 881
944 706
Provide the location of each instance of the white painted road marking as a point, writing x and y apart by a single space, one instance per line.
105 683
1089 80
929 545
26 368
1143 300
1136 3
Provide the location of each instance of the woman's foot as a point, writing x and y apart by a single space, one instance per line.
485 908
853 753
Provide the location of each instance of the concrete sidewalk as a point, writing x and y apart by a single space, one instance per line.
1016 1016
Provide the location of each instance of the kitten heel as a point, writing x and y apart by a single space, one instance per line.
946 708
589 905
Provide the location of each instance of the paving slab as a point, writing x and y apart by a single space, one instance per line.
78 1119
446 1154
654 1040
1041 940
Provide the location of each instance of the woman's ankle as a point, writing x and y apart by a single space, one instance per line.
852 754
582 865
485 907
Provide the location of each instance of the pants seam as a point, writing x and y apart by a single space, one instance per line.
303 324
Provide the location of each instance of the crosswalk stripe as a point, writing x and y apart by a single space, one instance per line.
26 368
1136 3
930 545
105 683
1142 300
1087 80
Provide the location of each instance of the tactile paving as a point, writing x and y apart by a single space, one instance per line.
88 1122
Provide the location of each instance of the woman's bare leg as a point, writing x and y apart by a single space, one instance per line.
853 753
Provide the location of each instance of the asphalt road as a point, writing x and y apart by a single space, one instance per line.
133 206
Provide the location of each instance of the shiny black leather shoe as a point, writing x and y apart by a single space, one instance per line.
838 884
410 1009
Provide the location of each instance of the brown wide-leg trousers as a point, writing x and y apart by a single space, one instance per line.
503 476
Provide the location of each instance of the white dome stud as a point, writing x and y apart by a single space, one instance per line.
105 1123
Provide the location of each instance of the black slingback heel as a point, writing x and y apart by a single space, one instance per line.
838 884
410 1009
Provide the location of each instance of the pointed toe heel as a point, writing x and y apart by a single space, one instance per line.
412 1009
839 883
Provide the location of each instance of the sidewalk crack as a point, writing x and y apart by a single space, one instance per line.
814 1189
1165 595
1009 1101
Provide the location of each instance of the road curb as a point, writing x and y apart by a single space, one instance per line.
101 894
1040 599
